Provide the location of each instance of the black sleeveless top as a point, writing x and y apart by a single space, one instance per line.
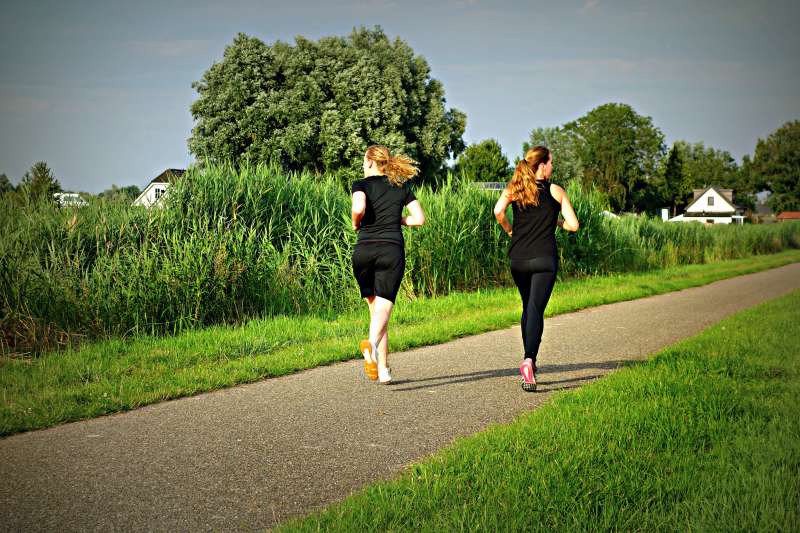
385 203
534 228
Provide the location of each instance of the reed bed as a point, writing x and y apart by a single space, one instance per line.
232 244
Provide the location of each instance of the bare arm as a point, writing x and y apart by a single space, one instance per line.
416 216
358 209
570 221
500 211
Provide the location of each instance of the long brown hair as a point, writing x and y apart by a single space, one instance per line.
523 189
398 168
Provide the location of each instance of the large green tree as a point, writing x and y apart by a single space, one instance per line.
40 182
776 163
483 161
564 147
706 166
317 105
620 151
676 187
746 184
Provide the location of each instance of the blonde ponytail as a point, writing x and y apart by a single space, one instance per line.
398 168
523 188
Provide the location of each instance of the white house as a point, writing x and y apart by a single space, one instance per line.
157 188
711 206
69 199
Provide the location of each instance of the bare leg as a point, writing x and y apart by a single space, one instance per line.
380 312
383 350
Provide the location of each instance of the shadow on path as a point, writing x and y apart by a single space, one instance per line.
506 372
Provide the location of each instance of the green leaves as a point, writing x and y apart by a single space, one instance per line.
620 150
777 162
318 105
564 146
484 161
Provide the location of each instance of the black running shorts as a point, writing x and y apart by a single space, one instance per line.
378 268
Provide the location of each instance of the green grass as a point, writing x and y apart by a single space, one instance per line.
703 437
236 244
118 375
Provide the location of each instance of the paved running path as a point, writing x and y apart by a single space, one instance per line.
248 457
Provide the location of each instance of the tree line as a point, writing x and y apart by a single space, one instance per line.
40 182
623 154
317 105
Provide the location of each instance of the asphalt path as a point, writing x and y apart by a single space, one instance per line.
249 457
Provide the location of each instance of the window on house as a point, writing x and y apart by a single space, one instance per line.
159 192
710 200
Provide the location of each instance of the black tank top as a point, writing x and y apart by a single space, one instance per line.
534 228
385 203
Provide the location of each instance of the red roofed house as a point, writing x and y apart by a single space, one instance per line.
789 215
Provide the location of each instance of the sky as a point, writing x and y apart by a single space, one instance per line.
101 90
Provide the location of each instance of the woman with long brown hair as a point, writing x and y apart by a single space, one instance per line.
379 255
533 255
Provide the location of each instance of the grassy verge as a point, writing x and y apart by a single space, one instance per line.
118 375
703 437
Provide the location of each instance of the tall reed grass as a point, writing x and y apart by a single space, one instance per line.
230 244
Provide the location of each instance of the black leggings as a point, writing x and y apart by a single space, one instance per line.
535 279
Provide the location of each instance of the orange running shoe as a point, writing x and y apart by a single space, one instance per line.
370 354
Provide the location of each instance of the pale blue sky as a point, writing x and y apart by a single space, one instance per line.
101 90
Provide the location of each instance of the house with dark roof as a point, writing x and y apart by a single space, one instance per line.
157 188
711 206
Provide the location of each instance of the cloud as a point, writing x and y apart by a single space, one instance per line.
168 48
15 103
600 69
590 5
376 4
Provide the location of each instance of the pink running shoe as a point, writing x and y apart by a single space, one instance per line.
528 372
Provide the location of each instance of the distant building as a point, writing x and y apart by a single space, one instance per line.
788 215
762 213
711 206
69 199
157 188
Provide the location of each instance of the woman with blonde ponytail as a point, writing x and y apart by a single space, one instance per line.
379 256
536 204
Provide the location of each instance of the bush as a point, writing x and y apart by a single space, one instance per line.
231 244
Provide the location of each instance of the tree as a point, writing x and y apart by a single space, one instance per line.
483 161
563 145
676 188
121 194
777 164
318 105
746 184
40 182
5 184
620 151
705 166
